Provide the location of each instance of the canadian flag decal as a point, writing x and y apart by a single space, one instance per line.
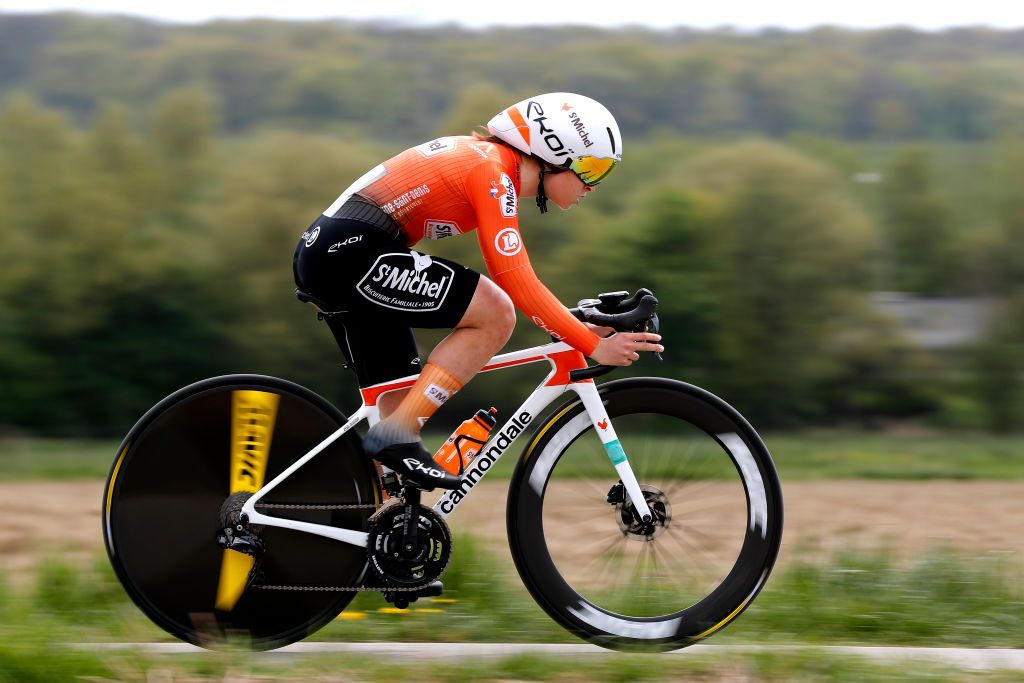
603 424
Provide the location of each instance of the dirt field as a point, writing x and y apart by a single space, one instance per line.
45 520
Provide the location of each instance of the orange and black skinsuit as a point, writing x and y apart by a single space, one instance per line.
356 256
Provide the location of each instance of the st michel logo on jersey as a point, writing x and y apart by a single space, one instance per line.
407 282
507 198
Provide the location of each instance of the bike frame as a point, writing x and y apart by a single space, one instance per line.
563 359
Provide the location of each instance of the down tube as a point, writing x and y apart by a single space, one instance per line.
499 444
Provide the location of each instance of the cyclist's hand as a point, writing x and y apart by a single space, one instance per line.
599 330
622 348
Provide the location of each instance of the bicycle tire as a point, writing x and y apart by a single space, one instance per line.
704 453
163 497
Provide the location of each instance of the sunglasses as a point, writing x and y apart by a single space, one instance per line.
592 170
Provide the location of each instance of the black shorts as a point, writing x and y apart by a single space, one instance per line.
385 289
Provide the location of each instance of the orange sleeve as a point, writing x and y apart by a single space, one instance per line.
493 196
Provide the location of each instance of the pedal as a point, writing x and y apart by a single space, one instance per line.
431 590
402 599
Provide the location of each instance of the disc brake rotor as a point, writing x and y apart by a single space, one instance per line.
630 523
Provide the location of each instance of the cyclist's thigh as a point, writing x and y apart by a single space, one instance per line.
358 268
381 353
385 289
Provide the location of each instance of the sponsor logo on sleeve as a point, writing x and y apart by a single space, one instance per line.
544 326
508 198
507 242
407 281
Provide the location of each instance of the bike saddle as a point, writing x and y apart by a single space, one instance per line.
321 305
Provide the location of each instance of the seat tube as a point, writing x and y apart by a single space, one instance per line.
604 429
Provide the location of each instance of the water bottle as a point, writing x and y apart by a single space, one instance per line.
466 441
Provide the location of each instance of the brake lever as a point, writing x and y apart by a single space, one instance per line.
653 325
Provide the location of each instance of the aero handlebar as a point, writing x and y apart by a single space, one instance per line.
621 312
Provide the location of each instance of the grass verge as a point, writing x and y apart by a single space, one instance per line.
807 455
940 599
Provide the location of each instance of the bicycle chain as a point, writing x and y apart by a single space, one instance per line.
343 589
312 506
330 589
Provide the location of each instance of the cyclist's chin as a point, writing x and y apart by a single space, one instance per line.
565 204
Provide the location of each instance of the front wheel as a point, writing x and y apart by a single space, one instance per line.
189 464
607 576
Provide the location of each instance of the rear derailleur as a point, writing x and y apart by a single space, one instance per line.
235 533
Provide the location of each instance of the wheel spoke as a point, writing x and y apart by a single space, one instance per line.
682 470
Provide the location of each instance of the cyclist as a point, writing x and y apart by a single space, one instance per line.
357 257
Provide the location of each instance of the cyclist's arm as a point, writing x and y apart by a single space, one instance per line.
509 265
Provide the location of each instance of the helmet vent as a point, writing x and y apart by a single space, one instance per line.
612 138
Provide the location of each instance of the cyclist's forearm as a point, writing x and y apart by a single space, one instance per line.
545 310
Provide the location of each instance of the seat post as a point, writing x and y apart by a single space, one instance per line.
336 323
334 319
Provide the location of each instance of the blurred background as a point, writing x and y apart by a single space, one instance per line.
831 217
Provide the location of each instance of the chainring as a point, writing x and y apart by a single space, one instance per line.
430 555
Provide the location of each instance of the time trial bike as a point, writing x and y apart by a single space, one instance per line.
642 513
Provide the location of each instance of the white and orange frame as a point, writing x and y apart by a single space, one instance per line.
563 359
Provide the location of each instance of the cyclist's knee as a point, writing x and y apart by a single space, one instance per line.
492 308
503 310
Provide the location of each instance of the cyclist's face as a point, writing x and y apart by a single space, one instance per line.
565 189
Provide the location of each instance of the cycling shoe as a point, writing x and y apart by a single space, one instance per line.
415 464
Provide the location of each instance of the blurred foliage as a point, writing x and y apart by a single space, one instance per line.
403 83
154 180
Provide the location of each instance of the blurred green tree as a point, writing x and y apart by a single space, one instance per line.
786 247
917 228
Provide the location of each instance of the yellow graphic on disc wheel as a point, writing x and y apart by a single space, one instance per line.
252 426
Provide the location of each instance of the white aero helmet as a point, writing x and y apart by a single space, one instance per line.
564 129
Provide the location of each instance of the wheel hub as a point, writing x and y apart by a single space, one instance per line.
629 520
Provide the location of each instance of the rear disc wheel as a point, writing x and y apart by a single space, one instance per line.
186 462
